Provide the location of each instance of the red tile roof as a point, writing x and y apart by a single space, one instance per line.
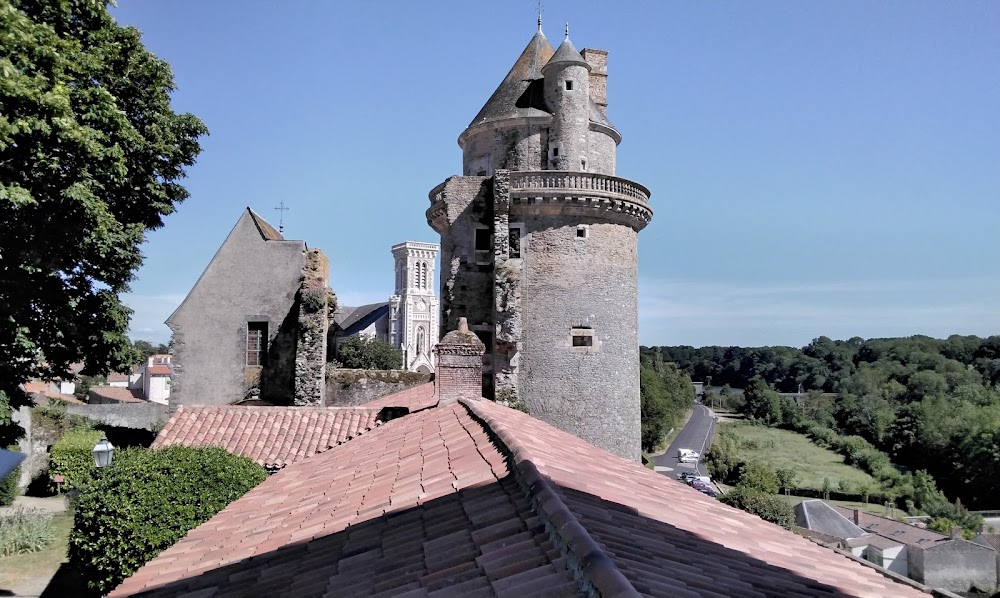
477 499
414 399
117 393
271 436
118 377
35 386
58 396
159 370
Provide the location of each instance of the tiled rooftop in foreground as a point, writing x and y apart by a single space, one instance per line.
475 499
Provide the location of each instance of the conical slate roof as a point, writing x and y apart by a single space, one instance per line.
520 94
567 53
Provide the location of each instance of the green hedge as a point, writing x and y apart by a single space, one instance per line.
766 506
146 501
72 457
9 488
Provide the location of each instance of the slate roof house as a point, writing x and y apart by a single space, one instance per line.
933 559
470 498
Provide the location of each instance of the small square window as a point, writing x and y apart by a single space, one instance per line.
555 151
582 337
569 86
582 231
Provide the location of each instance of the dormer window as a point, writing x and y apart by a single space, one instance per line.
569 86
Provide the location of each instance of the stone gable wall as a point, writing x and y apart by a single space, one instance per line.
350 388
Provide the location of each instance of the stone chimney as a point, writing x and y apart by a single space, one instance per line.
598 61
956 532
857 517
459 371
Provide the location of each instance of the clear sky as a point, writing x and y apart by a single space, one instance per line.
817 168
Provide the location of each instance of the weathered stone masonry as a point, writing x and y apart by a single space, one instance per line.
539 248
316 303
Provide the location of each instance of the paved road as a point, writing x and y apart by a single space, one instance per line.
694 436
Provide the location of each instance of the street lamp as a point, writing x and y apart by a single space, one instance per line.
103 452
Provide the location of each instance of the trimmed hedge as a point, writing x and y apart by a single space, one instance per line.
9 487
72 457
146 501
766 506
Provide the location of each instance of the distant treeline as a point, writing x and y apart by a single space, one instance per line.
929 404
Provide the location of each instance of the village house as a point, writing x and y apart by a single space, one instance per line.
936 560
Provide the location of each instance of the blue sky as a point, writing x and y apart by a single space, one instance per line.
817 168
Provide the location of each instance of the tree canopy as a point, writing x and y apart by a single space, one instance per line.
362 352
91 158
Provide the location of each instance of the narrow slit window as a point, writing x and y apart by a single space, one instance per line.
555 151
256 343
515 242
569 86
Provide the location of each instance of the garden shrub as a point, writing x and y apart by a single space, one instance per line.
757 475
24 530
72 457
147 500
767 507
9 484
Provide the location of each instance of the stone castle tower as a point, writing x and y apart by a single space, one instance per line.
539 247
413 308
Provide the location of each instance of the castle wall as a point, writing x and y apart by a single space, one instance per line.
602 156
513 146
248 280
350 388
573 282
315 303
466 287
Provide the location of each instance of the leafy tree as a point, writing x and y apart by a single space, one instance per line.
761 403
786 477
91 155
145 349
665 394
758 476
362 352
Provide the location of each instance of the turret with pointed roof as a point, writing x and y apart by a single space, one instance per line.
520 112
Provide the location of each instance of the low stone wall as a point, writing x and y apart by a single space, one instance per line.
349 388
139 416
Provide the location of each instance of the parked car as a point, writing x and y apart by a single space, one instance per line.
688 459
682 453
709 492
688 476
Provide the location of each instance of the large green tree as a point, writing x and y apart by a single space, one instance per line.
91 158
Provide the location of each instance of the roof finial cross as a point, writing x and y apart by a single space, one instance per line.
567 29
539 16
281 219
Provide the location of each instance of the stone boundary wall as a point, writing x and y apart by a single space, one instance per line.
139 416
349 388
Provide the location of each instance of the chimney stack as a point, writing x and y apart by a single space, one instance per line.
857 517
956 532
459 372
598 61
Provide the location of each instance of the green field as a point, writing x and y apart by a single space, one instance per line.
788 450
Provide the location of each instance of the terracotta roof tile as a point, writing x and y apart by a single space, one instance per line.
159 370
58 396
660 536
328 524
118 377
476 499
272 436
416 398
117 394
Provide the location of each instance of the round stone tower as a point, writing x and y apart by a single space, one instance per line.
539 248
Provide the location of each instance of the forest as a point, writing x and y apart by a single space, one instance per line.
929 404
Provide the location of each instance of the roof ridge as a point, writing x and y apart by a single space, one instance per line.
596 568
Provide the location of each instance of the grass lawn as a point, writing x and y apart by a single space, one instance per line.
788 450
23 573
872 508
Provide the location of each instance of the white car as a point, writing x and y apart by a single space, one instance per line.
689 459
682 453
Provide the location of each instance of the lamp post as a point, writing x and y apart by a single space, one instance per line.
103 452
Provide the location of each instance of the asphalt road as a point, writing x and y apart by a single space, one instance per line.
694 436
